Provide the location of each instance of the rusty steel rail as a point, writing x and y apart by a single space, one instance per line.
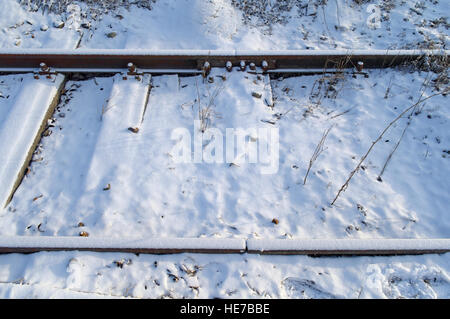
82 60
32 244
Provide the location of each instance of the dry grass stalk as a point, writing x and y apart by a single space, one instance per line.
326 86
319 149
425 84
421 100
206 112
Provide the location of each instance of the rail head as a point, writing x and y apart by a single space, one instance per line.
82 59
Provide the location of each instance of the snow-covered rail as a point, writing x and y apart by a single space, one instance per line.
179 61
316 247
348 246
24 244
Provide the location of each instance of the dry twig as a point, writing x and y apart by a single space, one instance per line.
319 149
345 185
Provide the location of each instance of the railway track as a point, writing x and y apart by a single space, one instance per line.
57 64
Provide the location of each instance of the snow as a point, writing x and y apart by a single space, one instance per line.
70 243
206 53
151 193
21 121
120 275
124 109
20 29
272 245
218 24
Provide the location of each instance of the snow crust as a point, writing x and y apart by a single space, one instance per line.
119 275
20 126
205 53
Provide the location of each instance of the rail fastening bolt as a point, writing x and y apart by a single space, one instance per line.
242 65
131 67
229 66
43 66
206 69
360 66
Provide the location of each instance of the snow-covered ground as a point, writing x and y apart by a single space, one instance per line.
228 24
94 174
106 275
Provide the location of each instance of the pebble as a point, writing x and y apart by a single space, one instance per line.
111 35
58 24
257 95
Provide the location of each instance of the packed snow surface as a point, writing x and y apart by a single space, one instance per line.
95 175
226 24
95 171
23 115
113 275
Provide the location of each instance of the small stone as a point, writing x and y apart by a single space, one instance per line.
37 197
135 130
62 114
275 221
86 25
111 35
81 224
84 234
44 27
257 95
58 24
107 188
